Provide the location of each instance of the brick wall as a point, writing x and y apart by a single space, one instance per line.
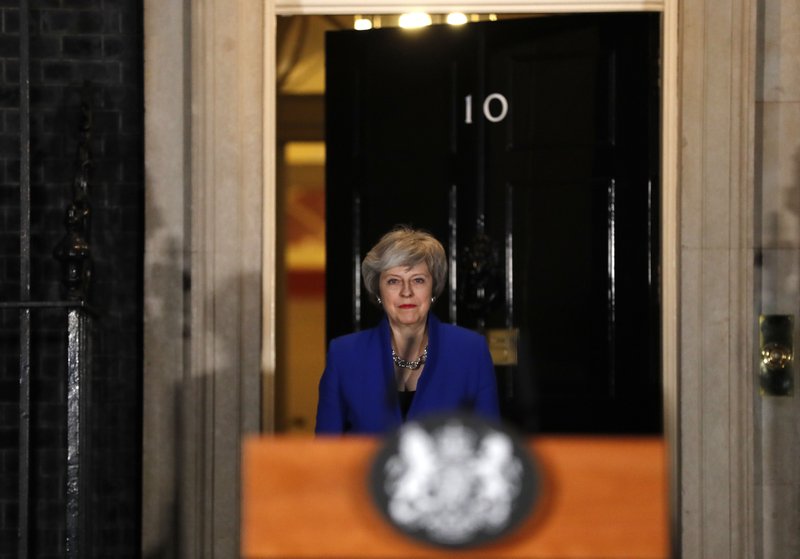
72 41
9 279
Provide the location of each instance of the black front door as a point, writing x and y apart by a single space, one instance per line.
530 148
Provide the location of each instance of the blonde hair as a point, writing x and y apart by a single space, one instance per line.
404 246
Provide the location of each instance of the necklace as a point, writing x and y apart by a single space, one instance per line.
413 365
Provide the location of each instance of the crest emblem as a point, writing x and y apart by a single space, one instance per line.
454 481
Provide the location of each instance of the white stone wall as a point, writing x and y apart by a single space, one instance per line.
205 241
778 182
716 312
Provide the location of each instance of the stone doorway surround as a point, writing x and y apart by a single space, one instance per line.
210 264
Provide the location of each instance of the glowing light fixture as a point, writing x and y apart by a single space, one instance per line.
456 18
492 17
362 23
413 20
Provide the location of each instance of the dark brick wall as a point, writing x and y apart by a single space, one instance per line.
71 42
9 278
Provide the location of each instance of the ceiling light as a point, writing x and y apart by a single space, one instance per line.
412 20
362 23
456 18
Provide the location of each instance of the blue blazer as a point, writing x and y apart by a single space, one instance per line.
358 394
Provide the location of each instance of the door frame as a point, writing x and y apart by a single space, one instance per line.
209 83
670 240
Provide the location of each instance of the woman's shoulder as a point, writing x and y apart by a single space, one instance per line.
355 340
453 333
464 347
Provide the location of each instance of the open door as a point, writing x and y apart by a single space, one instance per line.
529 147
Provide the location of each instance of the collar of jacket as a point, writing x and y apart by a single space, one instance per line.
430 364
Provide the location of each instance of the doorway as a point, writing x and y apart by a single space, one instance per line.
295 386
300 223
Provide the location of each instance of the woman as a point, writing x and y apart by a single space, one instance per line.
411 364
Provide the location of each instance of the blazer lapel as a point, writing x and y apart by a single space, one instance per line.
388 369
430 365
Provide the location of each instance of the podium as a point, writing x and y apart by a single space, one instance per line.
308 498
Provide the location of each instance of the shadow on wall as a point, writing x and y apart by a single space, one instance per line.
778 416
193 402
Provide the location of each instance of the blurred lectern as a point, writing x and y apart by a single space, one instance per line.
309 498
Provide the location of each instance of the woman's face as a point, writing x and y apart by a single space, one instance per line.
406 294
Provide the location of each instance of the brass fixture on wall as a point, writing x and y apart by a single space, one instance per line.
777 354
